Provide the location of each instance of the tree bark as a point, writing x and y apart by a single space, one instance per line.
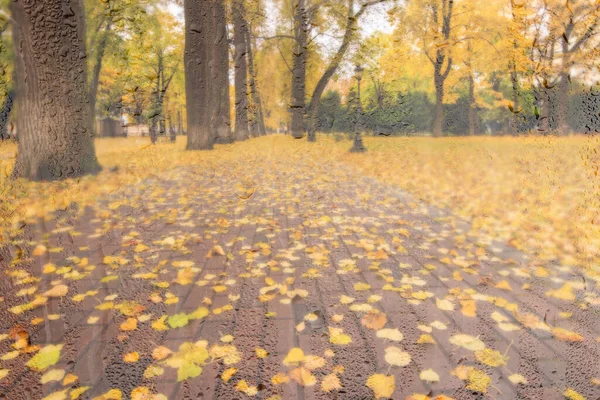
241 71
55 133
219 66
5 114
439 77
97 69
300 54
198 31
514 79
315 100
438 111
562 96
472 106
514 120
258 122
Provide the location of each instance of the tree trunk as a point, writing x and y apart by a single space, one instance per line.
97 69
300 54
439 77
198 32
544 110
219 66
472 106
5 114
438 112
179 126
514 120
315 101
258 120
55 133
172 132
562 98
241 71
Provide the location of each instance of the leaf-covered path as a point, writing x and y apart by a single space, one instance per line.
282 276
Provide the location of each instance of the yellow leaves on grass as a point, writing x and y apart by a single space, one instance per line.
382 385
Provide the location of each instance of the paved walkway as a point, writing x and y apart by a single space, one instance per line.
289 253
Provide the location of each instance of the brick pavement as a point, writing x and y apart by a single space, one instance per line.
321 228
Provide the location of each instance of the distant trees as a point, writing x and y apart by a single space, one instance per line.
54 124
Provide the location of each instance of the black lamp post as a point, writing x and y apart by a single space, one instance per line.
358 146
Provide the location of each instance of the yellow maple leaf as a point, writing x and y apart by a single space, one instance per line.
331 382
338 337
429 375
571 394
492 358
303 376
294 357
395 356
279 378
382 385
57 291
131 357
228 373
478 380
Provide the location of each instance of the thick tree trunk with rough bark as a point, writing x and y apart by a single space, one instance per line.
258 122
300 54
198 34
54 124
219 65
241 71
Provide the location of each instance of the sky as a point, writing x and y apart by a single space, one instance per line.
374 20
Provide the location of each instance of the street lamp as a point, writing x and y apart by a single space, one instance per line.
358 146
